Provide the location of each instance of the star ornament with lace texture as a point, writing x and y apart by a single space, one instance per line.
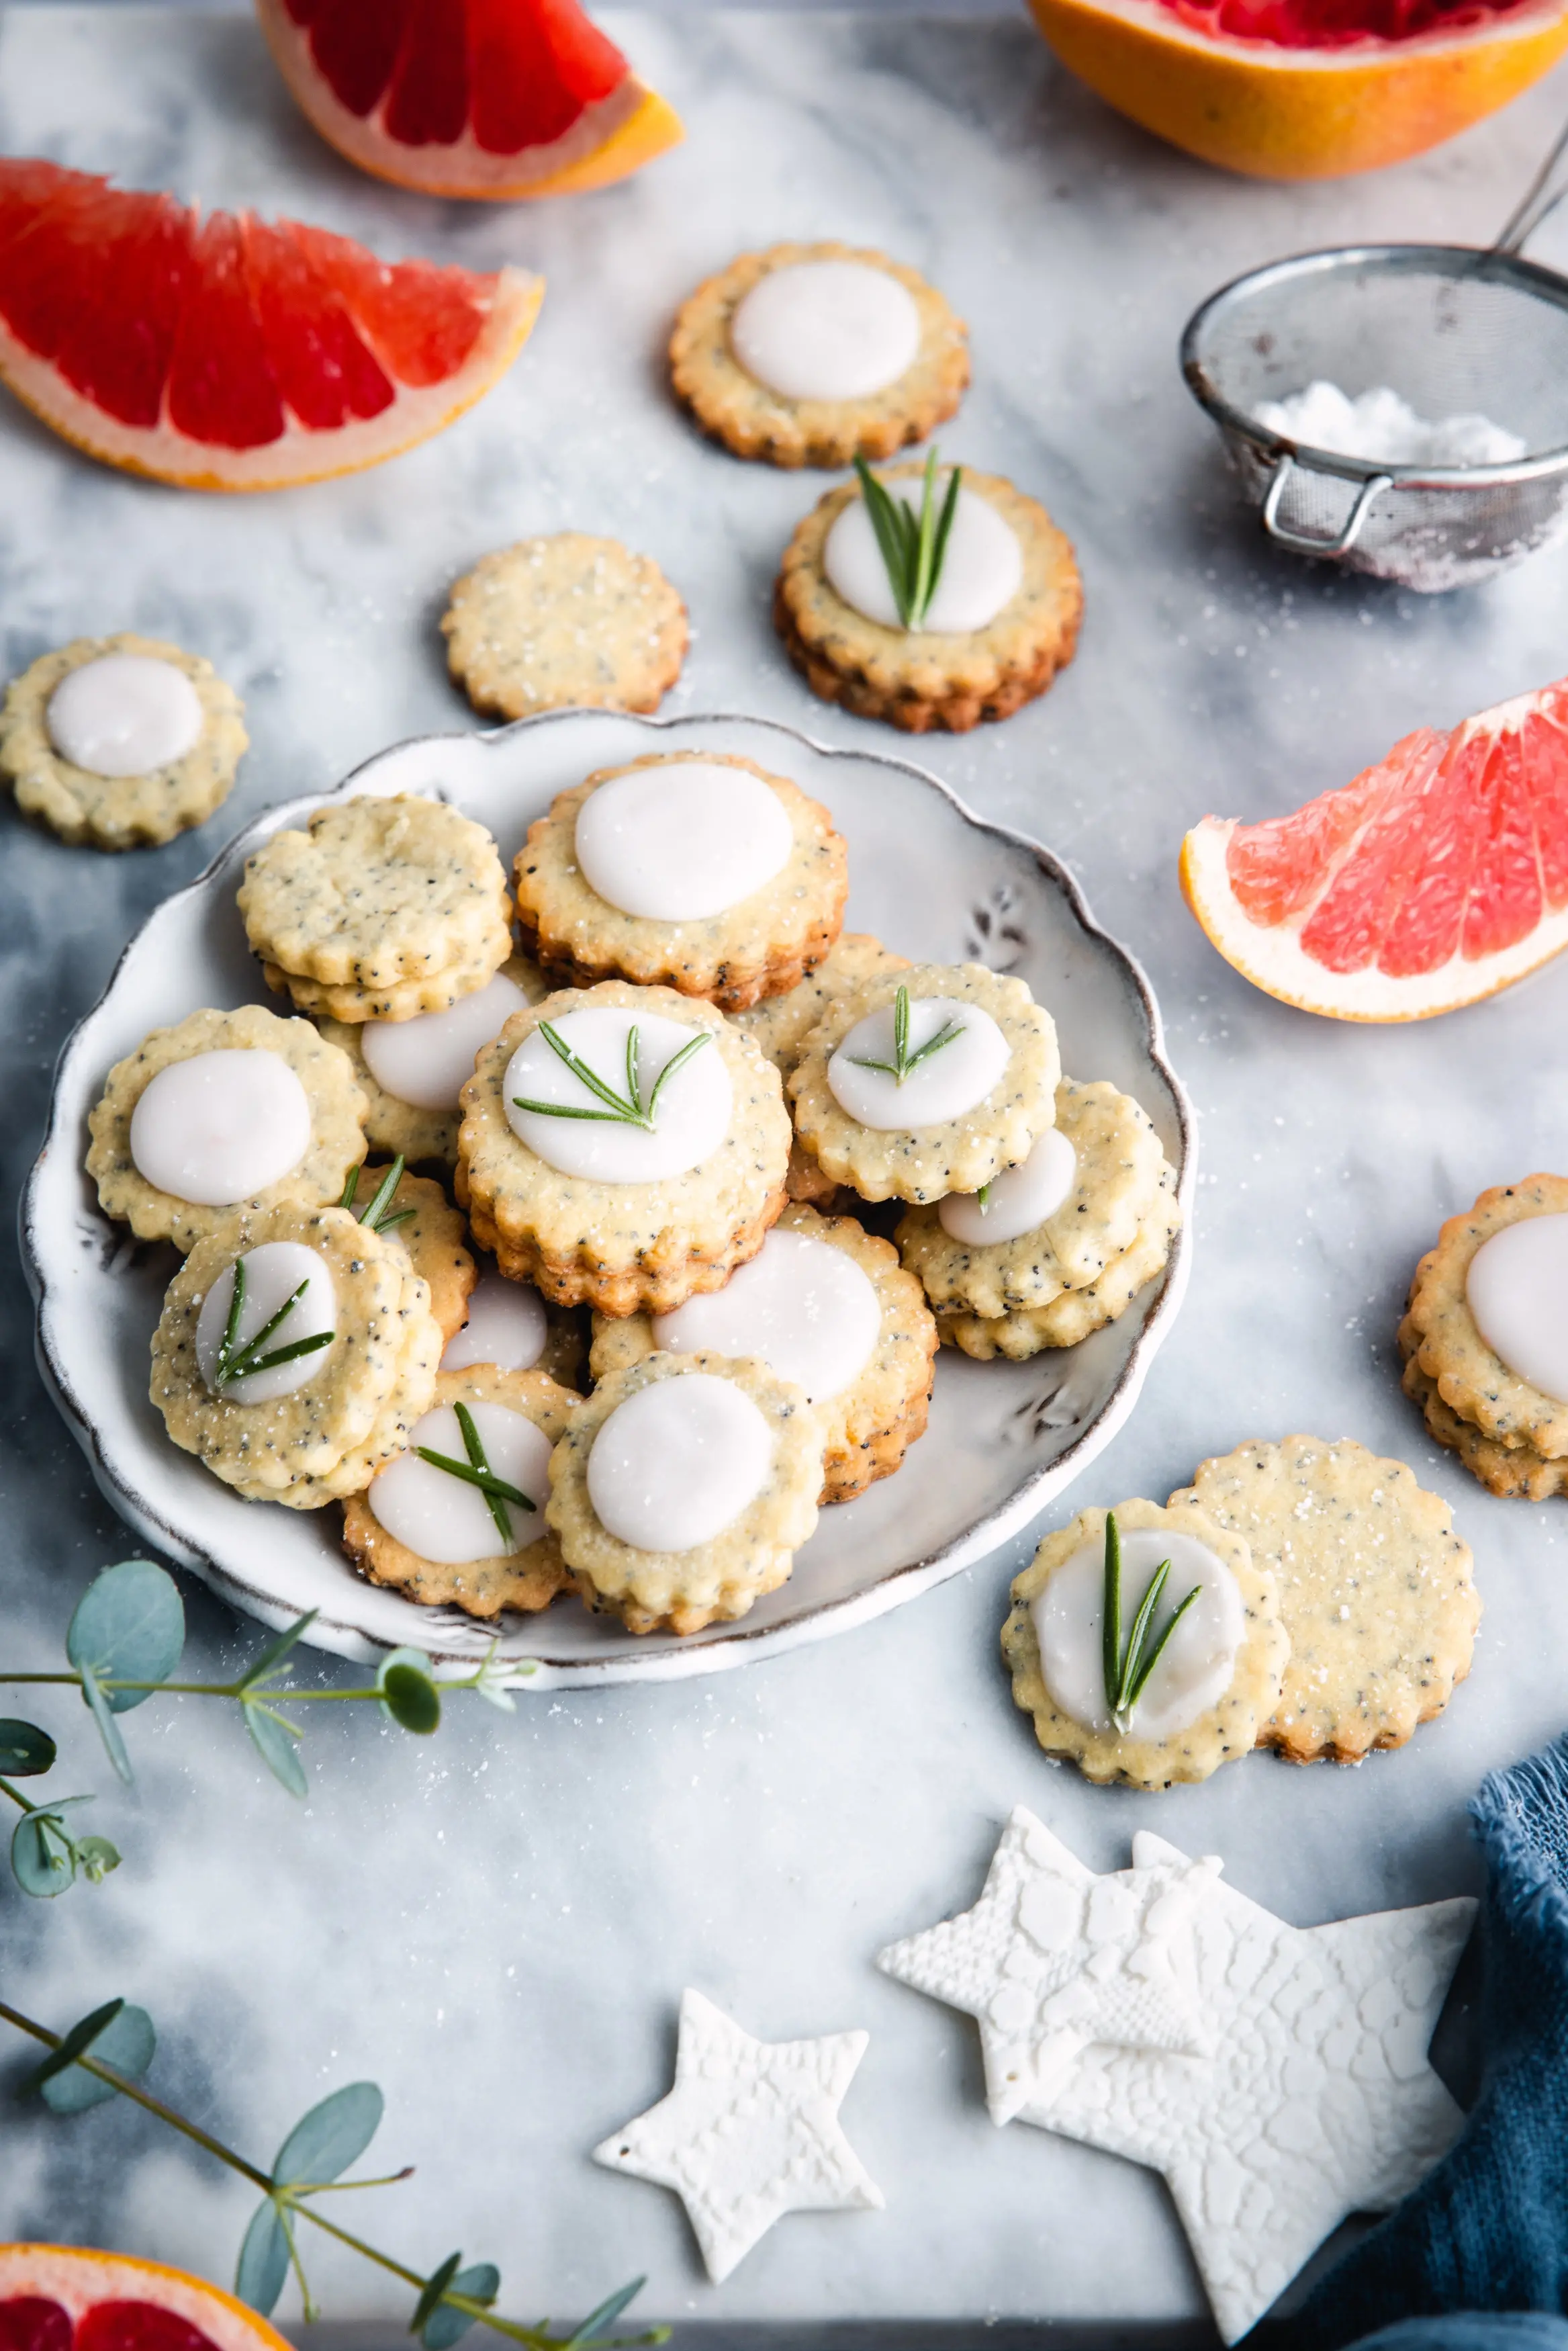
749 2132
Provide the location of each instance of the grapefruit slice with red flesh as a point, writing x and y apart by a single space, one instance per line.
1434 879
469 98
231 354
65 2298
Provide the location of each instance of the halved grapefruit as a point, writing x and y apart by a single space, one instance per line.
231 353
1305 89
470 97
65 2298
1434 879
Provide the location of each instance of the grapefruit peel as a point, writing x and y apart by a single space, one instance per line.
81 2281
1429 881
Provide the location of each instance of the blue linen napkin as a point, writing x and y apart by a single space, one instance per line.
1487 2230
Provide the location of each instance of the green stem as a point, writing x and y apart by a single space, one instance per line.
16 1796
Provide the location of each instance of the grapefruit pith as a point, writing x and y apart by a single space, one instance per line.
1305 89
494 99
231 354
1434 879
65 2298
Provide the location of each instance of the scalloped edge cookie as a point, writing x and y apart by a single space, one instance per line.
716 1582
119 812
564 621
1224 1732
1513 1472
870 1426
392 1126
337 1111
1076 1314
432 1238
760 946
754 422
1379 1639
524 1580
779 1025
1473 1380
921 679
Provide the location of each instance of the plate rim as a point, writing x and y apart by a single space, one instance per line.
723 1648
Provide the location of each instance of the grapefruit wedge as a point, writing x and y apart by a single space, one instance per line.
64 2298
1305 89
1434 879
231 354
469 98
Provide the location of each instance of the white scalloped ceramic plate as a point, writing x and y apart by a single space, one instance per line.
1004 1439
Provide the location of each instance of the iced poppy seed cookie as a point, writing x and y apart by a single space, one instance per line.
226 1110
412 1072
378 910
120 742
1074 1315
925 1082
810 354
295 1352
1177 1699
1375 1589
1488 1315
683 1488
510 1327
697 871
1000 617
565 622
458 1520
1053 1223
417 1214
1513 1472
781 1024
826 1305
622 1148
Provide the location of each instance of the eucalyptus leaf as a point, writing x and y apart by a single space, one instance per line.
332 2136
95 1858
26 1751
595 2323
82 2035
43 1856
430 2293
409 1695
101 1707
445 2326
275 1744
126 2043
276 1651
129 1625
263 2259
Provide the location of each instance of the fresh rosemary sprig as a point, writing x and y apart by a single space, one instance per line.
624 1109
243 1362
913 547
1128 1670
904 1063
984 1197
374 1215
477 1471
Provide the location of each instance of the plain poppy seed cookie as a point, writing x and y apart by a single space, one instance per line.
563 622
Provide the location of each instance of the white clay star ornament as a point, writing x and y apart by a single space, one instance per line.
749 2132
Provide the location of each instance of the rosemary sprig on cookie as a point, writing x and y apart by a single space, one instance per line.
623 1109
1128 1667
244 1362
373 1215
913 545
904 1063
476 1471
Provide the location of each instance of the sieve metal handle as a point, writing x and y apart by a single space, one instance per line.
1302 542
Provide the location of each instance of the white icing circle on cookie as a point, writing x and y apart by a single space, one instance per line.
444 1519
1517 1288
506 1326
221 1126
1017 1201
692 1116
950 1082
428 1060
124 714
827 330
805 1307
981 568
1197 1663
678 1461
274 1270
682 841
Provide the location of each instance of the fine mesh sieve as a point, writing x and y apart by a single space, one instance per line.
1454 330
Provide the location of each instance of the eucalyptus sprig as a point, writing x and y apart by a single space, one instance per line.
1127 1669
124 1645
238 1360
625 1110
108 2052
476 1471
904 1063
913 545
373 1215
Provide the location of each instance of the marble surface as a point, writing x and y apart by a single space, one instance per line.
498 1926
